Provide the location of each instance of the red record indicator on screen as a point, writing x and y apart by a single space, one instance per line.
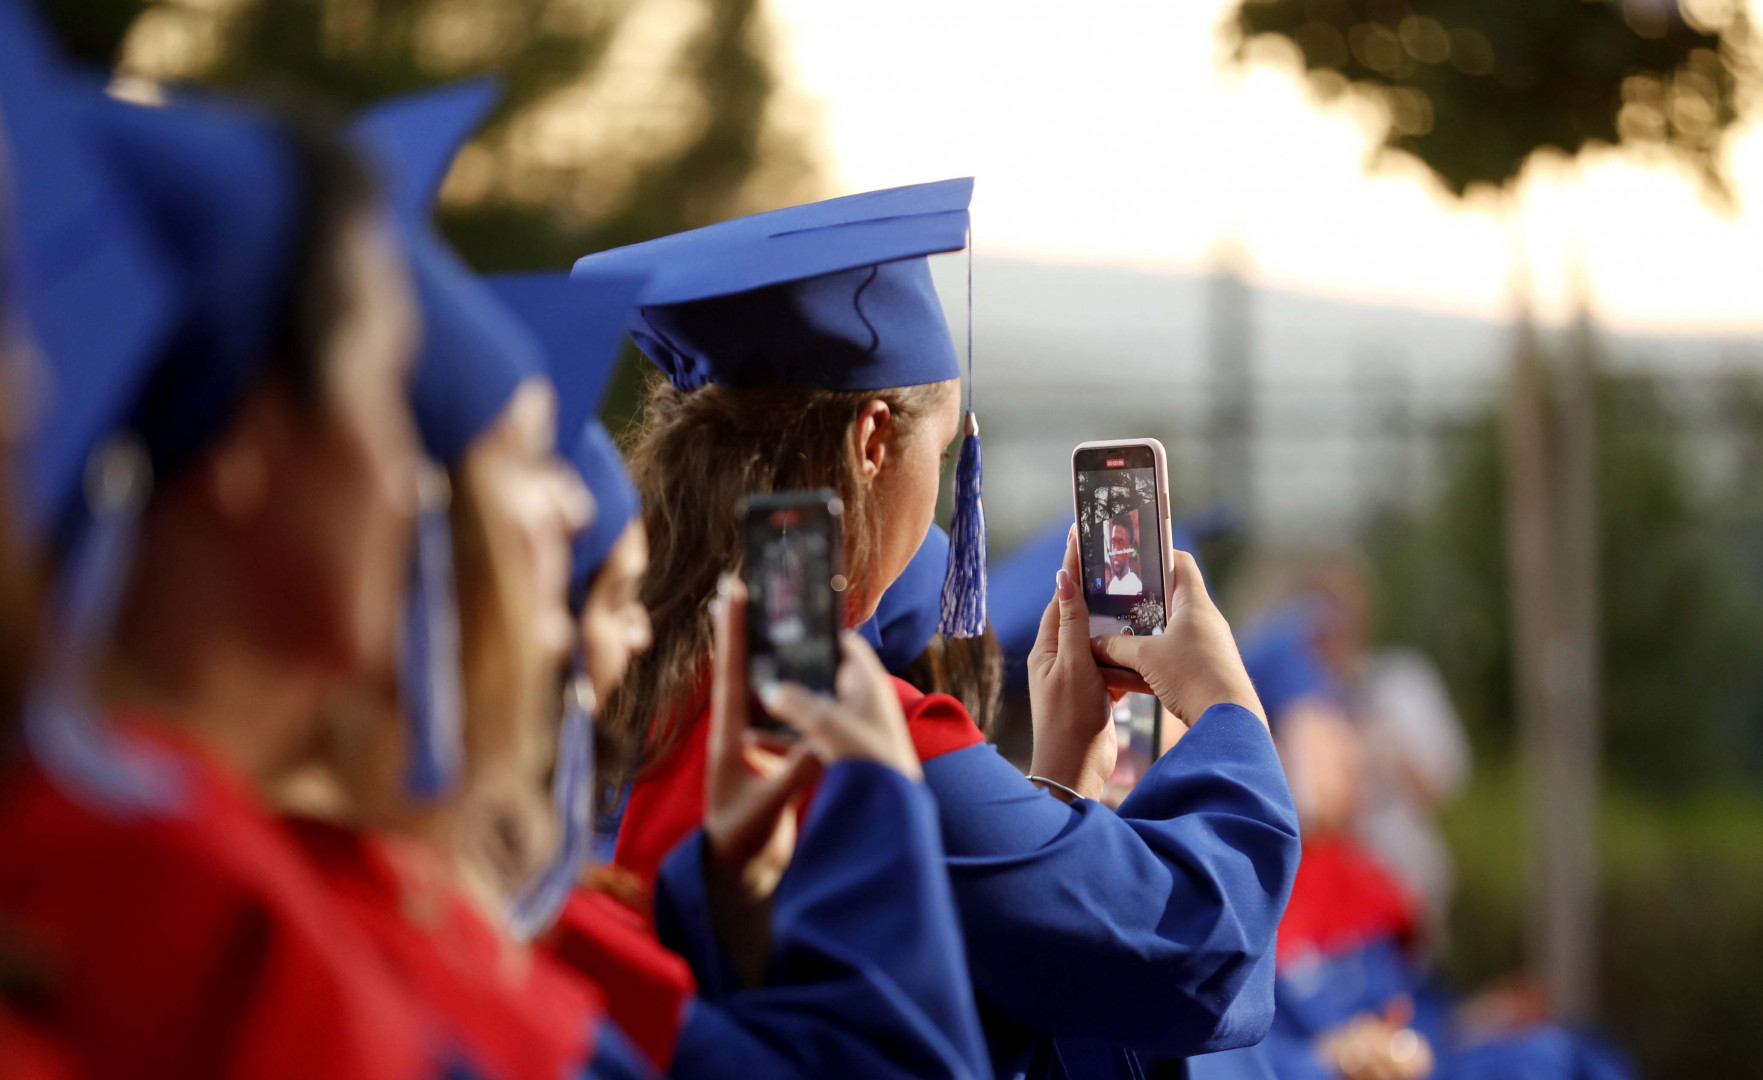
1116 462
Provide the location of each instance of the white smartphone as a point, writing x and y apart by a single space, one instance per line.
1120 493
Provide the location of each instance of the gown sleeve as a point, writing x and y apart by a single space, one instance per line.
867 975
1152 928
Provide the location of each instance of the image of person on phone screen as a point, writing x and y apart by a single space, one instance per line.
1123 556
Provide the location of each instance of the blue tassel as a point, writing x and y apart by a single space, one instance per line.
572 791
62 728
430 678
964 589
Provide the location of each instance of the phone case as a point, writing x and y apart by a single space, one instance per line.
1160 459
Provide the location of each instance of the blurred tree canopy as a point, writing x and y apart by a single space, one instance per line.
1473 88
622 119
1681 620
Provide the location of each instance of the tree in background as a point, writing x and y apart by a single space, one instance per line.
1473 90
622 120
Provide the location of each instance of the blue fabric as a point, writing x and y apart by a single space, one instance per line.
221 191
96 294
1317 994
834 294
866 977
579 323
906 619
616 1057
474 351
1280 654
1151 929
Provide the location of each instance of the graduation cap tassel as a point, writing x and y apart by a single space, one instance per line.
61 727
964 589
572 789
433 702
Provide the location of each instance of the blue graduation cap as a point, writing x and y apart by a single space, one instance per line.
92 289
1279 653
906 618
474 354
835 295
580 325
153 249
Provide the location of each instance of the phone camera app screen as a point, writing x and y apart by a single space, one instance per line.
793 603
1120 540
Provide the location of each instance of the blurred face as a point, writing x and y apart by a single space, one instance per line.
333 534
615 624
533 496
1119 549
906 471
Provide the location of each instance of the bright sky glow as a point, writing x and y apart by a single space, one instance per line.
1110 132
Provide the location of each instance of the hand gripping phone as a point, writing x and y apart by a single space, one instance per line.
793 570
1120 493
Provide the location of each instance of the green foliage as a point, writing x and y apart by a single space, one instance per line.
714 151
1679 888
1681 619
1473 88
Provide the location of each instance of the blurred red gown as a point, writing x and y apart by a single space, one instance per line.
200 943
496 1008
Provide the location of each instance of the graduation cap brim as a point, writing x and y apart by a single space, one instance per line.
794 244
80 248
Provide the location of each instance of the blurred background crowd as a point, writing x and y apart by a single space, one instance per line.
1451 309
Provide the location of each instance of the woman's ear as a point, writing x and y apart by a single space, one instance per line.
872 431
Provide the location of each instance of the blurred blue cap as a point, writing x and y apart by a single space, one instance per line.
94 292
474 351
906 618
1279 652
835 295
220 188
580 325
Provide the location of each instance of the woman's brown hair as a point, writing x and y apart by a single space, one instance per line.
970 670
693 456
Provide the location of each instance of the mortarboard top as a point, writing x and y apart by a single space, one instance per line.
221 191
94 293
1279 653
474 352
906 618
835 295
580 325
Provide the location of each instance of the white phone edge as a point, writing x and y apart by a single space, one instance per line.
1160 459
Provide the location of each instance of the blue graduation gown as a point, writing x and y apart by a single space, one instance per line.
1129 937
1317 994
868 976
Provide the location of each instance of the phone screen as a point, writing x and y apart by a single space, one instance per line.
1120 539
792 571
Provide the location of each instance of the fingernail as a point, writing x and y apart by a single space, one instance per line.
771 692
1063 585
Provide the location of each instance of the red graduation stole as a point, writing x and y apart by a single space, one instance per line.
1342 899
668 803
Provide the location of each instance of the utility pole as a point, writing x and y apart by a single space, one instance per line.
1230 377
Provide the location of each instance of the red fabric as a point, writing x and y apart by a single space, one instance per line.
512 1012
28 1054
668 803
201 944
1342 899
647 984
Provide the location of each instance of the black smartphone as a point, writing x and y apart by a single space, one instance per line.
1120 493
793 569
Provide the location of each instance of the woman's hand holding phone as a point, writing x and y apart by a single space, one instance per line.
864 723
1193 665
1071 706
751 789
